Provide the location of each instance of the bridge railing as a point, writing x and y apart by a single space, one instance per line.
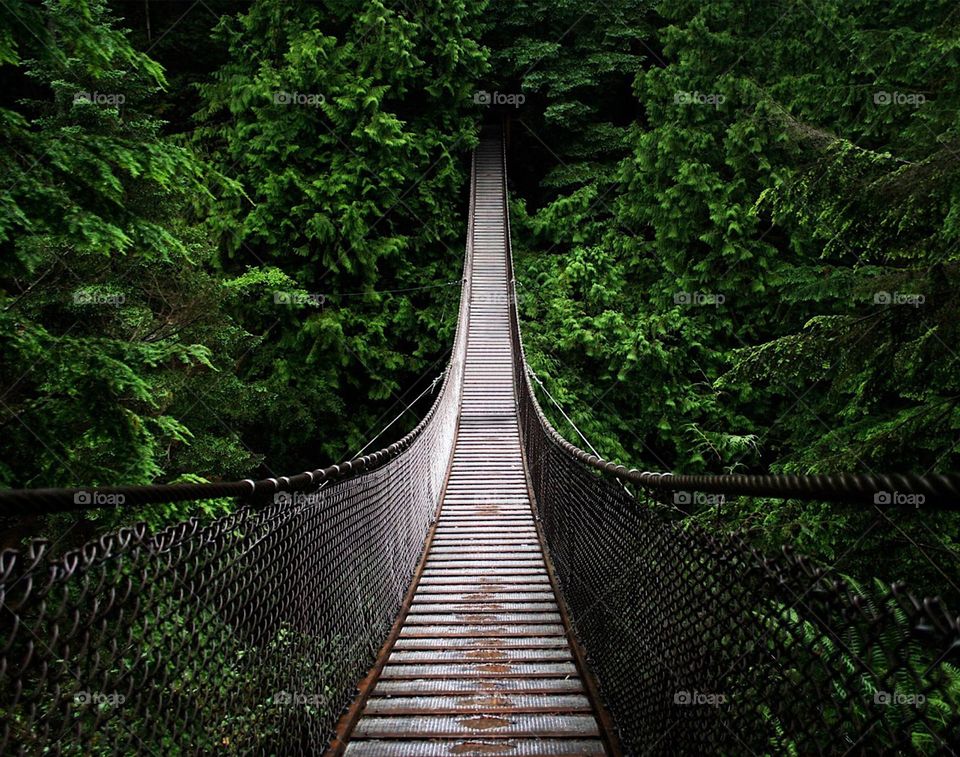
247 634
702 645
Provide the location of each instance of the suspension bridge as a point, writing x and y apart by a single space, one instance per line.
482 586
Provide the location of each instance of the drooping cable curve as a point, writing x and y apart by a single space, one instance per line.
480 645
247 633
701 644
251 632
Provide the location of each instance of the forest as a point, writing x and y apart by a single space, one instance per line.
233 241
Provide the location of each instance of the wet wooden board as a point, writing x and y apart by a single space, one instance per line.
477 748
482 663
502 725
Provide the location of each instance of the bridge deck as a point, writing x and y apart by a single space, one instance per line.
482 662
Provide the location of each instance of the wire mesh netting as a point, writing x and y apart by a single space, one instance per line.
700 644
245 635
249 634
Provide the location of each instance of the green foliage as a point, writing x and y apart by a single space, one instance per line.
155 289
110 319
709 293
347 124
736 235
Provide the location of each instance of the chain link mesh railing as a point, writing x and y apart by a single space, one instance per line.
702 645
246 635
249 634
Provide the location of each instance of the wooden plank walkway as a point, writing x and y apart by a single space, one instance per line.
482 663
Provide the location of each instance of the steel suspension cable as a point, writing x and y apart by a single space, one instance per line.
703 644
430 388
